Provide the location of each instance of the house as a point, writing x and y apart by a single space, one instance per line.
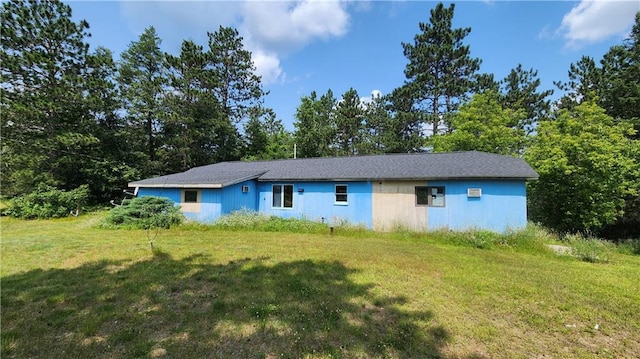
421 191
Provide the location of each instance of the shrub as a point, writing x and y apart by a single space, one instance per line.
145 213
48 202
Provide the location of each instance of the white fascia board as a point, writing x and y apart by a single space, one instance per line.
174 185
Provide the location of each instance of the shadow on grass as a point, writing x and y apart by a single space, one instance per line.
191 308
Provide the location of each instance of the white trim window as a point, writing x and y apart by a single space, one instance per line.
282 196
430 196
341 194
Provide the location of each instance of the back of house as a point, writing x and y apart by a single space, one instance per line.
421 191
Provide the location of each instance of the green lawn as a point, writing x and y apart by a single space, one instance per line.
70 289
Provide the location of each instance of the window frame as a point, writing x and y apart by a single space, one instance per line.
430 197
345 194
282 196
184 196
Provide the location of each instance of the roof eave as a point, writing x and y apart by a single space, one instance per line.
176 185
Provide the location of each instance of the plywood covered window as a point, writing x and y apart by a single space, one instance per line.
431 196
341 194
282 196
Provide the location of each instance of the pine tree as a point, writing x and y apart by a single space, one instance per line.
349 124
520 91
620 90
192 111
235 84
143 80
46 128
440 72
585 83
315 125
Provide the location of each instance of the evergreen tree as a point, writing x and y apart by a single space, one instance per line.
440 72
143 80
585 83
405 130
315 125
192 111
620 87
266 138
520 91
113 167
236 86
377 132
349 124
46 127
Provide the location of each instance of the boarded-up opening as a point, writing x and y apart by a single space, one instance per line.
395 206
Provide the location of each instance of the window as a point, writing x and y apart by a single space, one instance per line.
432 196
282 196
190 196
341 193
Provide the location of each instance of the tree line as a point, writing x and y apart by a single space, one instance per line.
72 117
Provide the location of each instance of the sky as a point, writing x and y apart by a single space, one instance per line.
303 46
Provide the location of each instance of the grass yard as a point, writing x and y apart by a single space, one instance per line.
70 289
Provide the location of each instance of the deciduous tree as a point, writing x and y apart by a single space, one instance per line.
587 167
483 125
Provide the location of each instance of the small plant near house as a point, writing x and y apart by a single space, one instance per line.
48 202
144 213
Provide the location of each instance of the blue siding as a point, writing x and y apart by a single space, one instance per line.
317 202
503 206
214 202
171 193
233 199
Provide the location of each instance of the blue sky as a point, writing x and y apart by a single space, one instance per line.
301 46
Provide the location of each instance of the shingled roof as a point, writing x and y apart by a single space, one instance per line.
415 166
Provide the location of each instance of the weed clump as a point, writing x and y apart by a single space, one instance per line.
588 249
254 221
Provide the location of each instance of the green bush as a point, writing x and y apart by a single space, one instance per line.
145 213
48 202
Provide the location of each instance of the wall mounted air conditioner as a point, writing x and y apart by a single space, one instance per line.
474 192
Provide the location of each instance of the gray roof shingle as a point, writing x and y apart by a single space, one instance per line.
415 166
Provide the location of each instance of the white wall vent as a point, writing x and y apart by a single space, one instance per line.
245 189
474 192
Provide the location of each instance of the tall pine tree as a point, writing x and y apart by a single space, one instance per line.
440 72
143 79
47 130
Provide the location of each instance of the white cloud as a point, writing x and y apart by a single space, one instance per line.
271 29
267 66
365 100
592 21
